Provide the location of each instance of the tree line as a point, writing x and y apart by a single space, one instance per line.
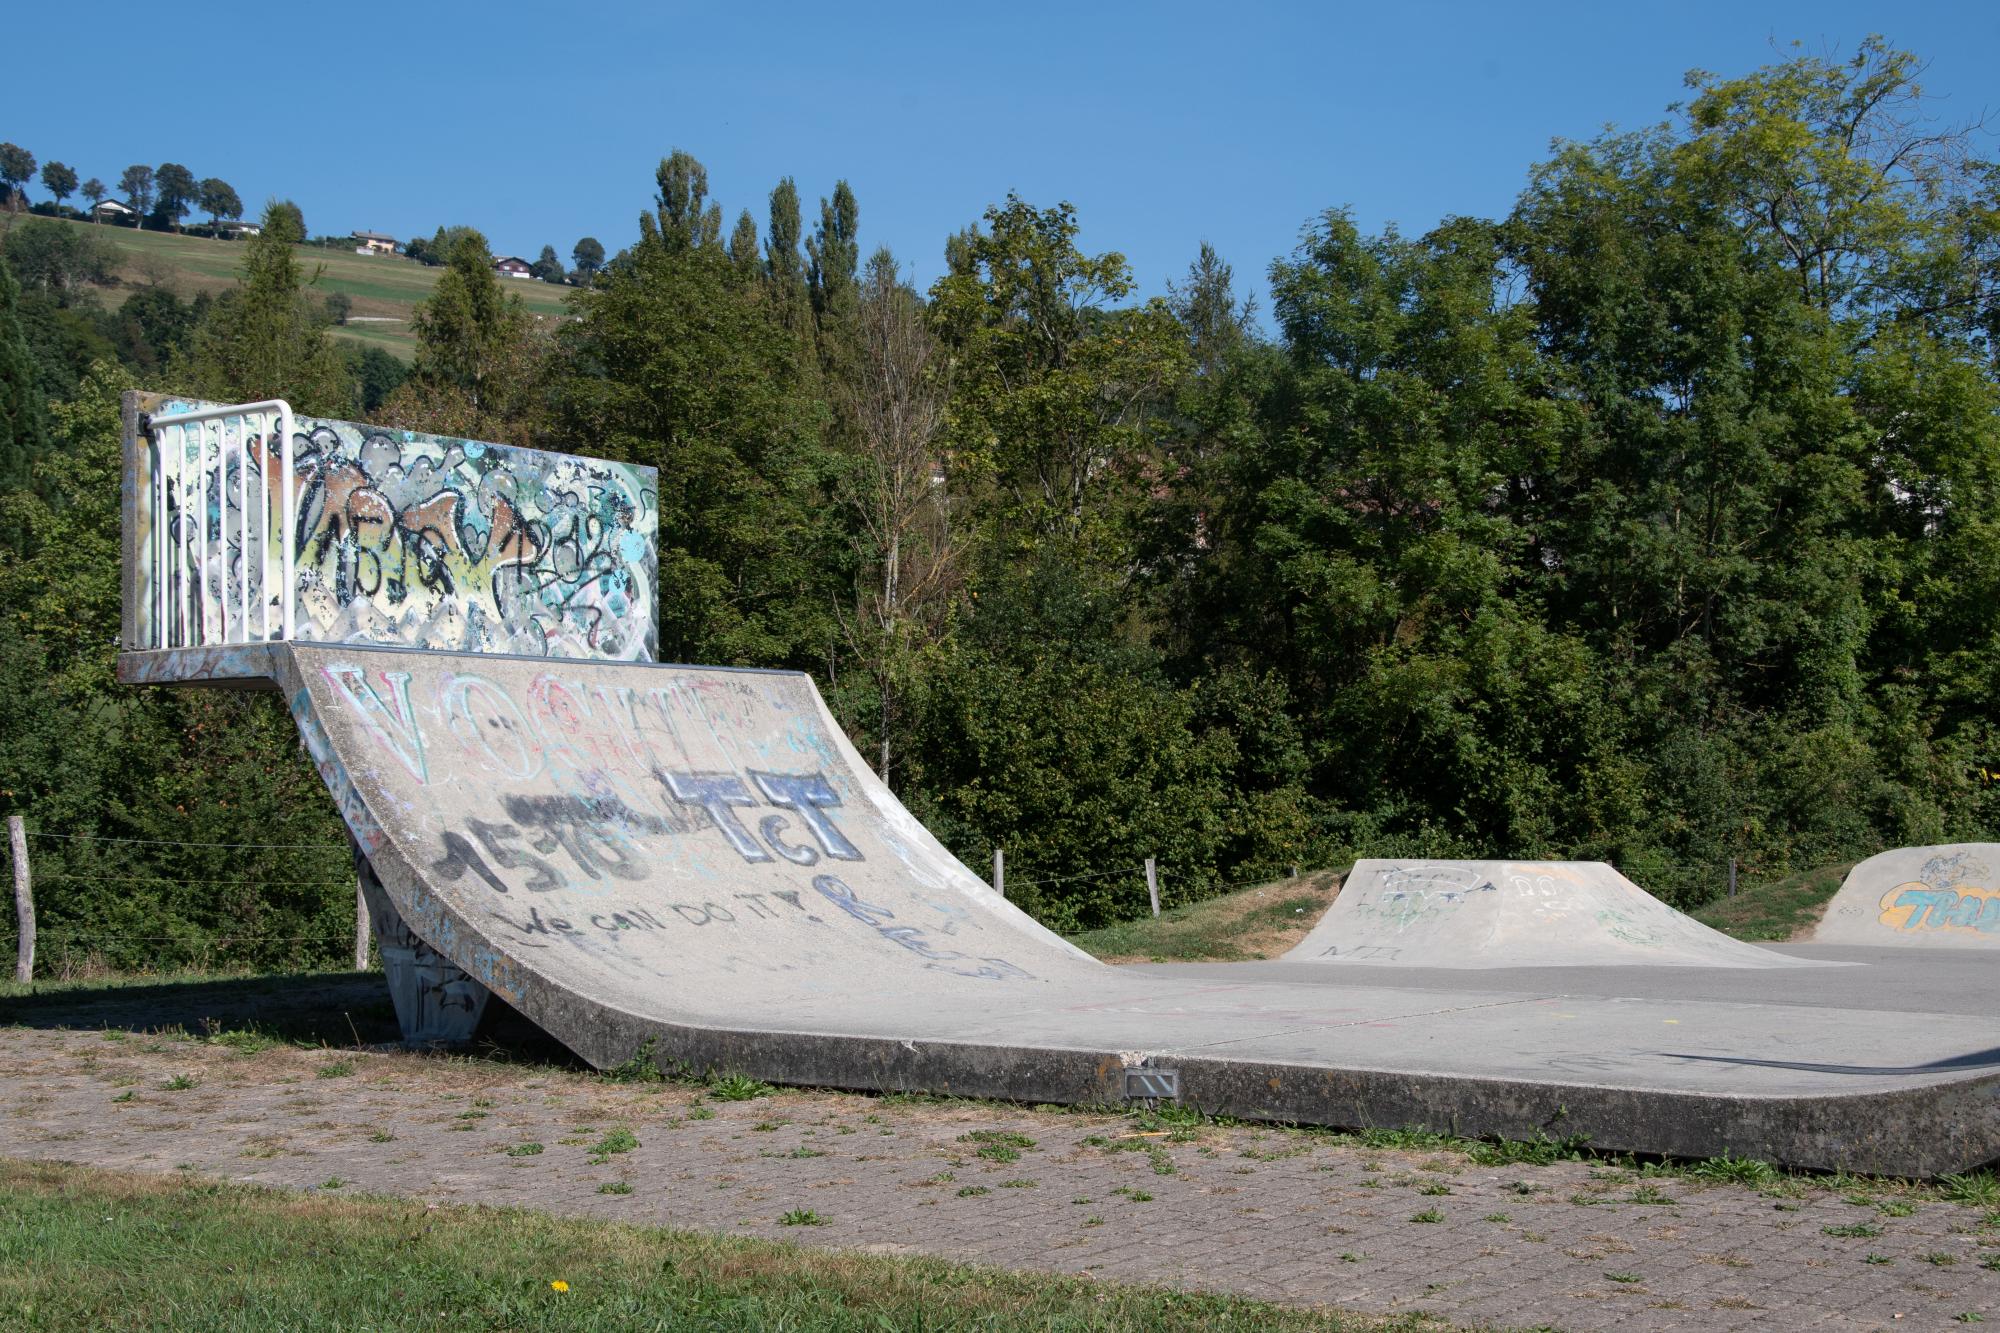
1656 521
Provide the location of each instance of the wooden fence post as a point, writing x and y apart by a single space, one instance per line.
1153 885
24 900
1732 877
999 872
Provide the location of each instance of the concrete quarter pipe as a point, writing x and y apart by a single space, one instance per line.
695 860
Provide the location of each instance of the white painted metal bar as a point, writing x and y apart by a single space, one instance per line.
181 597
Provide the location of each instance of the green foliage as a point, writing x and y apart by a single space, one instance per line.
59 260
468 327
23 430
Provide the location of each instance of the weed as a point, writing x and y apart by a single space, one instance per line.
1855 1229
701 1113
1005 1137
1979 1188
381 1136
802 1151
801 1217
614 1187
640 1067
335 1069
1624 1277
1496 1217
737 1088
332 1183
1020 1184
1895 1208
472 1115
1991 1261
124 1097
1435 1187
1878 1259
525 1150
1350 1257
1093 1221
1734 1170
999 1152
181 1083
615 1141
968 1191
1428 1215
1648 1194
1940 1259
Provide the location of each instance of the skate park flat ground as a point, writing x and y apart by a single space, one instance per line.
1897 980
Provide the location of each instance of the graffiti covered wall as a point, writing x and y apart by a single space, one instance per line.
398 538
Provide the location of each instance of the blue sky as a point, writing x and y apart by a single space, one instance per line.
1165 124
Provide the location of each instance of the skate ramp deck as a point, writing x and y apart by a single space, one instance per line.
695 862
1495 914
1943 897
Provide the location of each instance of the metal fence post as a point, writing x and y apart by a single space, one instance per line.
1153 885
24 900
999 872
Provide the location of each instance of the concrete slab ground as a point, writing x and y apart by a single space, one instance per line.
696 863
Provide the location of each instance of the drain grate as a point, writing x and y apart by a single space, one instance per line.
1152 1085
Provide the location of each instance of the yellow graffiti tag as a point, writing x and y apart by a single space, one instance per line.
1915 905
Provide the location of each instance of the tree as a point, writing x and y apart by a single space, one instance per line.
267 338
137 184
909 551
588 256
686 217
547 266
17 168
59 181
23 429
57 260
467 328
291 219
835 254
178 192
219 201
743 248
95 191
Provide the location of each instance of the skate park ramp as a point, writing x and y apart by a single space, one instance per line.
693 864
1493 914
1942 897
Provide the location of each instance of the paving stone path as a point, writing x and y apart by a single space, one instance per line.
1271 1213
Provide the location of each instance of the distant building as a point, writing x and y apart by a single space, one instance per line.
512 266
373 243
110 210
242 229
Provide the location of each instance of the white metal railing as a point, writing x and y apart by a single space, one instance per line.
194 563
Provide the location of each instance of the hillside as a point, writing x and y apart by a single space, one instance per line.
384 288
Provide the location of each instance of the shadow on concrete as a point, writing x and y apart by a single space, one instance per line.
1971 1060
335 1009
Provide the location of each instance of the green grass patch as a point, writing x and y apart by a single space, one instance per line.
81 1249
1777 910
1214 929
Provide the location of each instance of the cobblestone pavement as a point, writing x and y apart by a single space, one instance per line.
1272 1213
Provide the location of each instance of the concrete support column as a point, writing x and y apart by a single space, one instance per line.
436 1003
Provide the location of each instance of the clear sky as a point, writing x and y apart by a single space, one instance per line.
1165 124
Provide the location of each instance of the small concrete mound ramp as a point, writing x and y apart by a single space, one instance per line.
1944 897
1480 914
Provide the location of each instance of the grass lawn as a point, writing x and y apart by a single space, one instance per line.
382 286
1261 922
1778 910
83 1248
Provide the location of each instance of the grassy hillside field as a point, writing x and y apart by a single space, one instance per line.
383 287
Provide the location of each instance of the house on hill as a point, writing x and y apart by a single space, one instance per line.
373 243
110 210
513 266
242 230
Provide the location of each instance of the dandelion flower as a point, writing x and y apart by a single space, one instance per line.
559 1285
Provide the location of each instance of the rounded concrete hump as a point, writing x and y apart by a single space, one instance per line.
1941 897
1473 914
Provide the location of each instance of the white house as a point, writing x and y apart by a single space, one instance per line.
512 266
110 210
373 243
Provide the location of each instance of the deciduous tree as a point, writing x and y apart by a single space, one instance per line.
59 181
178 192
219 201
17 168
137 184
